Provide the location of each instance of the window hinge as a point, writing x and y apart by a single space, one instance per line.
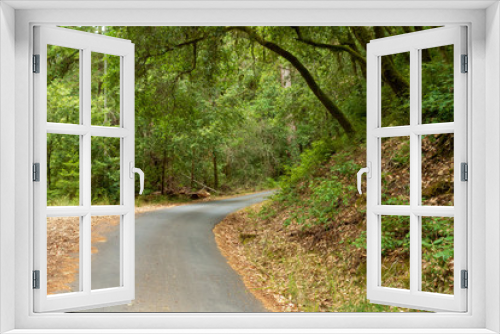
464 171
465 64
465 279
36 63
36 172
36 279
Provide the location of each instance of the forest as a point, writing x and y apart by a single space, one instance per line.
239 109
229 107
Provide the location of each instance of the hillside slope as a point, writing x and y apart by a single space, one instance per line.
305 250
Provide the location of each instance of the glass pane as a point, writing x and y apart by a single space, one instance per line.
395 171
437 255
105 171
63 85
63 170
437 84
63 254
395 82
395 252
105 89
437 169
105 252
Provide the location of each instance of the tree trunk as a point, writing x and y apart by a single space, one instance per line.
164 172
285 77
286 82
390 73
216 174
170 179
362 35
192 168
227 168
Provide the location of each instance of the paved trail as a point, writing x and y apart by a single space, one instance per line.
178 265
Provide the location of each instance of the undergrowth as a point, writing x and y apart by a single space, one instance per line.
309 241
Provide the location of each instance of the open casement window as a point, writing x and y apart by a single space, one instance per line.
84 165
416 241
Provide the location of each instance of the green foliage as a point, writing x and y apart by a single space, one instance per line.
322 205
437 86
215 106
402 156
309 161
105 90
437 253
223 111
325 195
63 175
105 171
437 237
395 234
63 85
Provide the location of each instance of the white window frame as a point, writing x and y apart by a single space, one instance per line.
86 43
413 43
484 103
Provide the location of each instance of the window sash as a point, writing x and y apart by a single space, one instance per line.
414 298
86 43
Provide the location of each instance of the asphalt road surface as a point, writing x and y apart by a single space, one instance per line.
178 265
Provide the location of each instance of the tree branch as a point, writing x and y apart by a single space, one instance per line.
143 59
335 48
177 46
332 108
390 73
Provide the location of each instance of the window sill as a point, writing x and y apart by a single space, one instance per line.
252 331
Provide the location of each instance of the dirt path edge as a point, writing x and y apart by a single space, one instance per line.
227 237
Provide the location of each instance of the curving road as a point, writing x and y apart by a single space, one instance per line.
178 265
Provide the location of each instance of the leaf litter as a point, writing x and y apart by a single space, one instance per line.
310 267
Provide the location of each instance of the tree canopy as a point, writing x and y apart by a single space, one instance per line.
226 107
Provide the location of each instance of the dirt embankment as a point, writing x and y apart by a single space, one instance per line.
321 267
230 239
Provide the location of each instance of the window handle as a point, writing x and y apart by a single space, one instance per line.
134 170
368 171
